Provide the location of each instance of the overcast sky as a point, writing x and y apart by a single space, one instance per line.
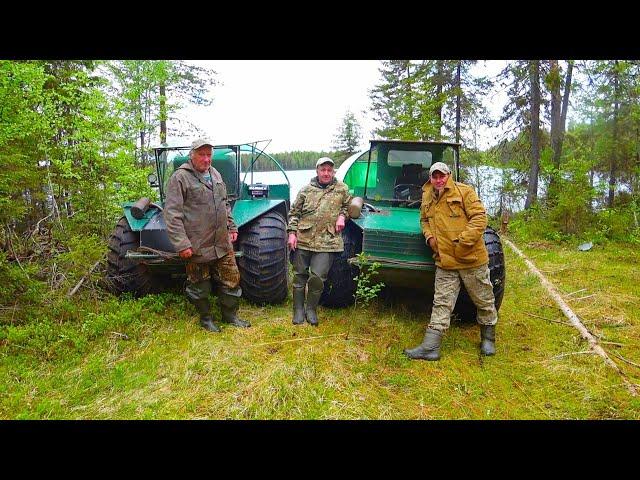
298 104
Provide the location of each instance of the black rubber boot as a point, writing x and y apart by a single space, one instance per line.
488 340
206 320
198 295
229 303
208 324
298 306
429 349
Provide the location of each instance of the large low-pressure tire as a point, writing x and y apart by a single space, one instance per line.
124 275
264 274
465 309
340 285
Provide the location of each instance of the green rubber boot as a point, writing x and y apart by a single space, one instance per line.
429 349
314 291
298 306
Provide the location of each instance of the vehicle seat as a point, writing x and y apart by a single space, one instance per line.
412 174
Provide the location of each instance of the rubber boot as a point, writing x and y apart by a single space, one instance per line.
206 320
198 295
429 349
229 303
487 340
298 306
314 291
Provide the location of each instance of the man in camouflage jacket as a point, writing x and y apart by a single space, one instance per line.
200 227
453 221
316 220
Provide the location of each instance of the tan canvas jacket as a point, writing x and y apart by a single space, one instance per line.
314 213
457 219
198 216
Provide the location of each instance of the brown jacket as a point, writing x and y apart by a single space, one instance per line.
198 216
457 219
314 213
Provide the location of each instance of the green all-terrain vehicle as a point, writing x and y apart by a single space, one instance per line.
141 259
389 178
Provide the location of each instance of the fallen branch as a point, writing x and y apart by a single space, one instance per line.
582 298
309 338
38 225
573 318
577 291
625 360
548 319
572 353
75 289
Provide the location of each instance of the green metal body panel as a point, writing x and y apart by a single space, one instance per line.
135 224
244 211
394 233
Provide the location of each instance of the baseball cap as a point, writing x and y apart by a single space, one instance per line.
201 142
324 160
439 167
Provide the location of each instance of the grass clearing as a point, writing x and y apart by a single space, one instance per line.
101 357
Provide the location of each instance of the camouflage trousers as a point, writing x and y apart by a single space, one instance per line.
224 271
447 288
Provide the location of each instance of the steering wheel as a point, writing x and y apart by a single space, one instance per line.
407 191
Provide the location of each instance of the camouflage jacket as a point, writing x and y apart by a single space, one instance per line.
198 216
314 213
457 219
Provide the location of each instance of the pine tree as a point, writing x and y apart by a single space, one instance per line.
348 137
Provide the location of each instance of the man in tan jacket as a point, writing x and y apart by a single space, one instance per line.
200 227
453 221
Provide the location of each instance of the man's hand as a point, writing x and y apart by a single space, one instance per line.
233 236
433 243
293 241
186 253
340 223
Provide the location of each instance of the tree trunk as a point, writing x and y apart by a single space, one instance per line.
163 113
532 192
458 100
556 114
614 153
439 81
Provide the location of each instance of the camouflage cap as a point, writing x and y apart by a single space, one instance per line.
324 160
201 142
439 167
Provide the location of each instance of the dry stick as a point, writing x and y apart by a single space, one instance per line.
577 291
548 319
14 253
308 338
582 298
573 353
573 318
625 360
38 225
75 289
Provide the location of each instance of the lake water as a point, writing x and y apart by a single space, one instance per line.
486 180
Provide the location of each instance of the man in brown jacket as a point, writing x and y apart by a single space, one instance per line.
316 220
200 227
453 221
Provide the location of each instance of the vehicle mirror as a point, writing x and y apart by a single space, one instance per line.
152 178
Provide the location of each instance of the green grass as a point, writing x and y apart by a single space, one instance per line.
100 357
